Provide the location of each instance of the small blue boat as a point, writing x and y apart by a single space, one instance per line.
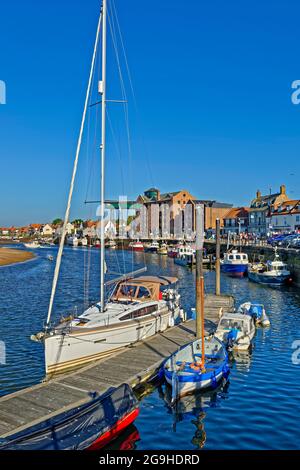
185 372
235 263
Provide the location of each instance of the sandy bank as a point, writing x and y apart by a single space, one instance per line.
11 256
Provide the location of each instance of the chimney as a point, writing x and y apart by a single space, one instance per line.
258 194
282 189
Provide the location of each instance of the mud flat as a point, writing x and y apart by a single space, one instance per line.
10 256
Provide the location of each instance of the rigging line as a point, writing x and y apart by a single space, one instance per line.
132 89
122 175
124 96
123 89
67 214
94 145
86 256
117 148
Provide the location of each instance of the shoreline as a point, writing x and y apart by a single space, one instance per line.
11 256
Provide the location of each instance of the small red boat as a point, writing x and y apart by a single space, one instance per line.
88 427
136 246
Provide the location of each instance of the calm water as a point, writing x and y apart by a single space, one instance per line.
258 409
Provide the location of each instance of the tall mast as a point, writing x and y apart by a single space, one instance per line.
75 165
102 146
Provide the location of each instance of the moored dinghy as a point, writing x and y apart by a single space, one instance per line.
203 363
257 312
236 331
185 371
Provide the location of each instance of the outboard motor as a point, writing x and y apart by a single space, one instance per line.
231 338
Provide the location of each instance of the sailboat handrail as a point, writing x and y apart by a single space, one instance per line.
67 213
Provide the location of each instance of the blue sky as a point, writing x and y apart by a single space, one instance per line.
212 82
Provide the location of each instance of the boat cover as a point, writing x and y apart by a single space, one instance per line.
76 429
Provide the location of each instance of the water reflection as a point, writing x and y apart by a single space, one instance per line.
193 408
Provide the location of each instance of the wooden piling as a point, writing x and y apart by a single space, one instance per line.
217 265
199 272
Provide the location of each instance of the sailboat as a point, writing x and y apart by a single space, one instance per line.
138 307
203 363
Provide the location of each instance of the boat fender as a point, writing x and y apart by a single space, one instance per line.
37 337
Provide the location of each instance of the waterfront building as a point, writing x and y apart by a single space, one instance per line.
286 217
260 209
47 230
213 210
164 215
236 220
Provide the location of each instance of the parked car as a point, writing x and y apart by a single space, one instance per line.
277 240
288 240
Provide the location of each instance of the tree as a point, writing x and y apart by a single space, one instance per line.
57 222
77 222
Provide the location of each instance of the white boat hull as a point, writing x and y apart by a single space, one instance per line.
72 350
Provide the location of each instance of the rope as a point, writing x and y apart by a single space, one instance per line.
67 214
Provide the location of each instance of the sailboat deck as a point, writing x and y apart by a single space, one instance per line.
133 365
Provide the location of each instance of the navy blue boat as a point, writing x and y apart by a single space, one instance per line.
235 264
88 427
273 273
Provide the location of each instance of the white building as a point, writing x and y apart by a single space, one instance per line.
286 218
47 230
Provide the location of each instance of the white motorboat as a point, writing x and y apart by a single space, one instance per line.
273 273
73 241
111 244
32 245
83 241
186 255
152 247
236 330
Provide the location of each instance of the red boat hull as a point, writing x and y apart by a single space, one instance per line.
115 431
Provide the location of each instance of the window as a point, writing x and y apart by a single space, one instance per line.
238 256
297 218
230 257
128 290
141 312
143 292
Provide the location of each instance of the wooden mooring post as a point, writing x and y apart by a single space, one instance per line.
218 249
199 272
